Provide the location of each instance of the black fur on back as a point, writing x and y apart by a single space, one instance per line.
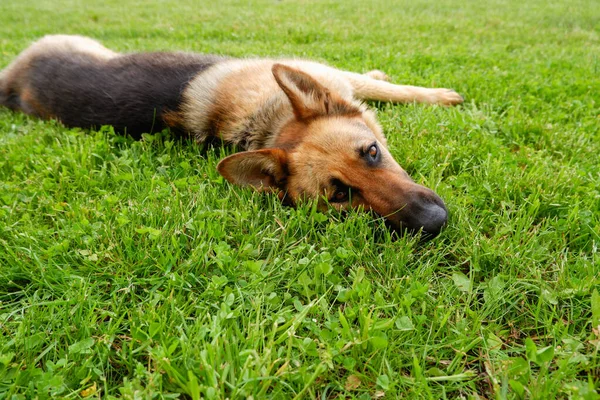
130 92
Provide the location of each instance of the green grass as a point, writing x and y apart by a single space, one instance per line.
131 269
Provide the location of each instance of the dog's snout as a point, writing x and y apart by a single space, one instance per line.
428 212
433 218
424 210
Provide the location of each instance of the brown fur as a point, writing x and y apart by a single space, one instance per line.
30 103
305 131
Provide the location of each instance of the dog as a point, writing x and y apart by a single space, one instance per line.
302 126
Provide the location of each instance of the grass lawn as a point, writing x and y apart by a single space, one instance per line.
131 269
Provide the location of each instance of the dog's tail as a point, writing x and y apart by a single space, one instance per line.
6 99
3 95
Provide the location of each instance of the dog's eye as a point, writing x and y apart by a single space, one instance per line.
372 155
373 151
339 196
341 192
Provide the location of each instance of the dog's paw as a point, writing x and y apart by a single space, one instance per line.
378 75
446 97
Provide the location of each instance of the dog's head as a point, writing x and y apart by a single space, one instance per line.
333 152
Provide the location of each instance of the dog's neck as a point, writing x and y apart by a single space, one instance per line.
258 129
261 128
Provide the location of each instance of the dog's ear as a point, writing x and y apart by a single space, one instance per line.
308 97
265 169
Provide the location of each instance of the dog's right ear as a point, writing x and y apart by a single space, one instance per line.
265 169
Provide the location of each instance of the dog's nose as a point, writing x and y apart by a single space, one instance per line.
425 210
433 218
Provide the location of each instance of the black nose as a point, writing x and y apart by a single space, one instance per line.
433 218
425 210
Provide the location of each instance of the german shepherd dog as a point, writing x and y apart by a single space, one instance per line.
303 128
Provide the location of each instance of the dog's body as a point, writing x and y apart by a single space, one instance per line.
302 123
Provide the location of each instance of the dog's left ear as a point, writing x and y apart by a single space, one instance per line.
308 97
264 169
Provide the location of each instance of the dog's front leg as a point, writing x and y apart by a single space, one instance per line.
373 86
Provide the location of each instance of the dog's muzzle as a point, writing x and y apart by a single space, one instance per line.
423 210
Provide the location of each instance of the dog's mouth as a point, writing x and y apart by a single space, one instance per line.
402 230
410 208
436 221
425 214
421 212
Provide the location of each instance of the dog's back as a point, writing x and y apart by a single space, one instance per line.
84 84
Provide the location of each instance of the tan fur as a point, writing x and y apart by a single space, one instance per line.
327 151
367 87
208 88
377 74
321 139
240 91
31 105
